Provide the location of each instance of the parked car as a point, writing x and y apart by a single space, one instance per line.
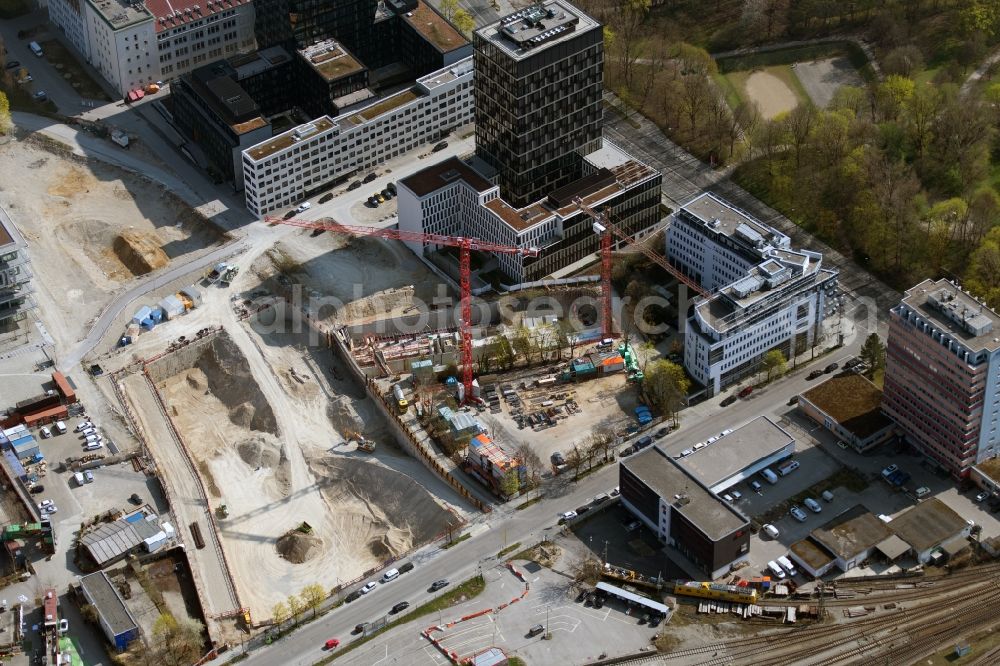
632 526
770 530
830 368
655 621
358 628
814 374
643 442
600 497
776 570
400 607
745 391
438 584
580 510
615 492
356 594
369 586
737 495
386 194
135 499
326 197
756 487
45 432
557 459
787 565
922 491
52 508
303 207
289 215
40 96
889 471
369 178
798 514
794 400
13 64
355 185
662 432
331 644
982 496
440 146
391 187
827 496
378 197
581 596
599 601
535 630
787 468
812 505
728 401
45 503
405 566
36 490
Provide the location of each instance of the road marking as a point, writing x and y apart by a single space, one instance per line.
383 658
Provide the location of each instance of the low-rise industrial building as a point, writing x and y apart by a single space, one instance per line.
849 538
929 526
111 542
737 455
849 406
683 512
455 199
113 616
769 296
291 166
986 475
15 274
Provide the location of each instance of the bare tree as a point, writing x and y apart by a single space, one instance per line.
533 464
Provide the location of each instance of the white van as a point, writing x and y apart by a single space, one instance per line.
775 569
391 574
787 565
45 432
769 476
92 438
92 446
79 478
787 468
36 49
88 476
60 427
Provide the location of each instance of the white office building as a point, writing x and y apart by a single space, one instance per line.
190 33
285 169
135 43
454 199
768 295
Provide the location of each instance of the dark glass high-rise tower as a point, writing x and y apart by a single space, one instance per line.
539 81
298 23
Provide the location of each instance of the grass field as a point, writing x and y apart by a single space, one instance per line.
736 90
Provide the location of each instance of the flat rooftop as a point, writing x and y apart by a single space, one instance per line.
434 28
945 305
121 13
447 75
331 60
851 532
109 605
216 84
811 553
249 64
666 478
725 219
290 138
537 27
172 13
387 104
733 453
442 174
852 401
990 468
927 524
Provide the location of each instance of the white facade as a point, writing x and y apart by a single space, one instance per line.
122 39
70 17
189 36
777 302
282 170
716 243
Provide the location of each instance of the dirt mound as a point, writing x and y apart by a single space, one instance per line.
381 303
399 513
258 452
343 416
196 380
297 547
227 374
141 252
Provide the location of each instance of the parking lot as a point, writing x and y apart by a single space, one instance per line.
579 634
637 549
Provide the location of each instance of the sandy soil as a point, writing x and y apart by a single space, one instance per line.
821 78
771 95
360 278
73 214
265 423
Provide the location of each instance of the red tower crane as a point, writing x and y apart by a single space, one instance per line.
465 246
606 229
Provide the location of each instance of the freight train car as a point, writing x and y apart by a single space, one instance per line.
719 591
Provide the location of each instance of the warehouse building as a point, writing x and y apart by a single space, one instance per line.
986 475
850 407
683 512
849 538
112 542
929 526
114 618
736 455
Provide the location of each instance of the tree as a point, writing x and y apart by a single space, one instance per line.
588 571
631 17
903 61
312 596
5 121
89 613
294 607
464 22
775 363
522 344
890 96
873 353
279 613
532 463
178 642
983 275
666 385
510 484
575 461
448 8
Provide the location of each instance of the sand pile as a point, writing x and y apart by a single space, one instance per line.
297 547
343 416
383 510
227 376
258 452
380 303
140 251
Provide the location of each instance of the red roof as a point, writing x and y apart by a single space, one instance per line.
51 606
172 13
53 413
65 390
